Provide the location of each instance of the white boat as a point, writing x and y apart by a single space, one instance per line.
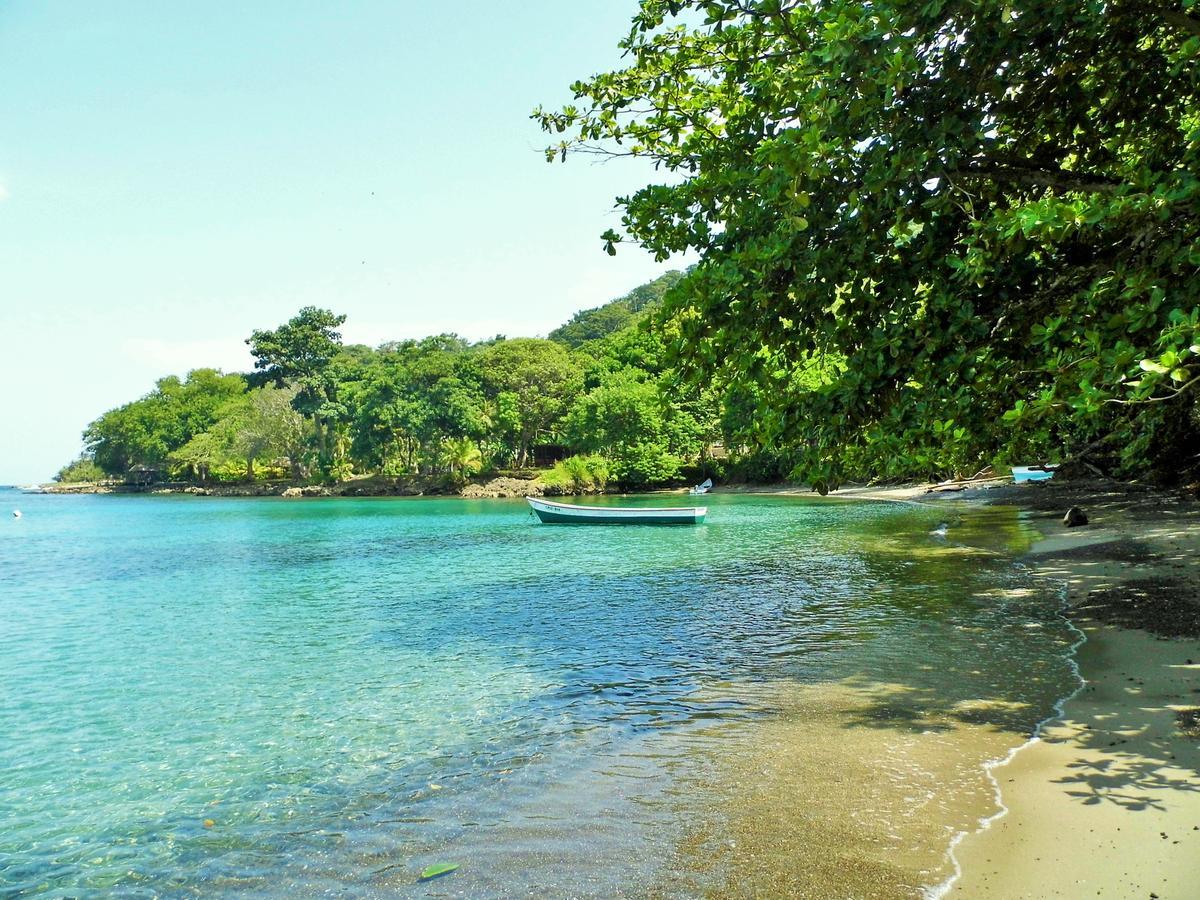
552 513
703 487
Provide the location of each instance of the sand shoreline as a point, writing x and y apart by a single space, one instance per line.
1107 801
1104 800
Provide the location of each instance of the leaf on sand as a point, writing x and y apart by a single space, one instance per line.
436 871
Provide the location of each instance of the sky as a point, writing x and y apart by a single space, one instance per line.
173 176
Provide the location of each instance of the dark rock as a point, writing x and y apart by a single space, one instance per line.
1188 721
1075 516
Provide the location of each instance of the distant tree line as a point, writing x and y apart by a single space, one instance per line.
315 408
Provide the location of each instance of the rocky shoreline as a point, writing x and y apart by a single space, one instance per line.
529 485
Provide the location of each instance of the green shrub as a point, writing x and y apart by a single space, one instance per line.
643 464
578 474
341 470
83 469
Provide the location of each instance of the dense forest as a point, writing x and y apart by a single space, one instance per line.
596 397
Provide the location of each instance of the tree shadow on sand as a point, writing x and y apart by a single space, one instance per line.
1140 761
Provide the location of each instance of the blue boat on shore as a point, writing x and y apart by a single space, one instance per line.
1032 473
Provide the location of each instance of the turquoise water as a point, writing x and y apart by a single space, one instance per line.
201 695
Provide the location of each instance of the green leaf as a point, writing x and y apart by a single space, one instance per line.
437 870
1180 374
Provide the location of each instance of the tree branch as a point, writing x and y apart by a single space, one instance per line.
1182 20
1159 399
1043 178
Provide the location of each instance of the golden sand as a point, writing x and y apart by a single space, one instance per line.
1107 804
827 799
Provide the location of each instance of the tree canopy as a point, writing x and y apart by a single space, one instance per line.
302 352
439 406
536 379
976 222
303 347
146 431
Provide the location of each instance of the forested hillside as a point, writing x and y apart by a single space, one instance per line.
601 321
317 409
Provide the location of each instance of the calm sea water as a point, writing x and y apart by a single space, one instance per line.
209 695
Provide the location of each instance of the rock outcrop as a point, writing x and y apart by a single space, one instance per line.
309 490
505 487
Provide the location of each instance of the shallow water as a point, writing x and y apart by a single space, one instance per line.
204 695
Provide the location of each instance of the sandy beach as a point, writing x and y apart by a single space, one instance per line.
1105 800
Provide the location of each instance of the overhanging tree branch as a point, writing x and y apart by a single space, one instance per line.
1187 385
1057 179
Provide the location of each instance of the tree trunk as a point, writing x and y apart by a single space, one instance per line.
320 436
250 468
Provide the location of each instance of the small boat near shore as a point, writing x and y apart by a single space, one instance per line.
1033 473
552 513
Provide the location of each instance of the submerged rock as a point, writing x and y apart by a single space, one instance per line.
1075 516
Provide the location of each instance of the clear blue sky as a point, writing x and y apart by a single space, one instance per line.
174 175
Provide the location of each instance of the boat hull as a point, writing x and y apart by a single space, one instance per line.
551 513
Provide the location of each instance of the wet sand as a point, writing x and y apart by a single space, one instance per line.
854 787
831 799
1107 803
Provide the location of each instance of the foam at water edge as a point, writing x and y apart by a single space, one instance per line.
938 891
